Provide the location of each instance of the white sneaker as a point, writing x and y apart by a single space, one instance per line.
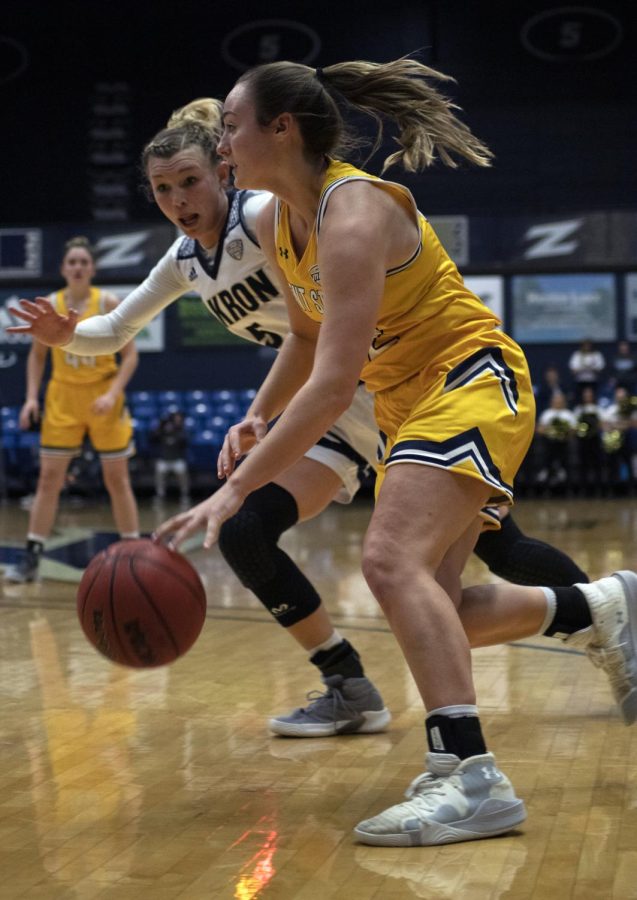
452 801
611 641
23 572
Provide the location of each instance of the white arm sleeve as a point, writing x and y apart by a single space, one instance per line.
110 332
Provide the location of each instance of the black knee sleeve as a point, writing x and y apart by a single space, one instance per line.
512 555
249 544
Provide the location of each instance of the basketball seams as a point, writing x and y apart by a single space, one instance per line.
195 589
151 603
101 559
122 645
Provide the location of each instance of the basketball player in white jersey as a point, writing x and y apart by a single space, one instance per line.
219 258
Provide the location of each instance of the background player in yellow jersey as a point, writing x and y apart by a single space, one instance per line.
85 395
371 290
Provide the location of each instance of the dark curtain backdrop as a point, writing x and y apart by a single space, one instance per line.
552 92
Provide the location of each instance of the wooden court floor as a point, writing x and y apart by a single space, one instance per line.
164 783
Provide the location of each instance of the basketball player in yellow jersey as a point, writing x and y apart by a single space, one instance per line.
370 290
427 321
85 396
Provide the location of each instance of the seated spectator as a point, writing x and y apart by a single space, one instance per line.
586 365
551 385
588 432
556 425
170 436
605 392
619 435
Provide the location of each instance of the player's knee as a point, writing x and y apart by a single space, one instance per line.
51 481
495 548
380 573
116 477
248 541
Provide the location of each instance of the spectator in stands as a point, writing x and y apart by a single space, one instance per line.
556 425
551 385
619 426
85 395
588 432
171 441
624 367
586 365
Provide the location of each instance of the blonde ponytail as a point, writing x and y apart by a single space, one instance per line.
205 111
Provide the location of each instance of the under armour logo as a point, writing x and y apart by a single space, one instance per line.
284 252
490 773
192 274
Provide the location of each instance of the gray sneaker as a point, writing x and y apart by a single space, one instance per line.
611 641
452 801
348 706
21 573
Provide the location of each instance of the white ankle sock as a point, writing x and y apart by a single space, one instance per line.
454 712
333 641
551 607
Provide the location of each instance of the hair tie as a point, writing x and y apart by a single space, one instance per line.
319 74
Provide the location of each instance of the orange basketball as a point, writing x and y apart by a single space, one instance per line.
141 604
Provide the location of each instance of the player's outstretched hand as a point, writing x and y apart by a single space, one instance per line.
238 441
209 515
43 322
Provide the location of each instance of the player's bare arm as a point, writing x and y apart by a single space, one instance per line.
352 301
290 370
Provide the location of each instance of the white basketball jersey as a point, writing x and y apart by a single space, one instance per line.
237 287
234 282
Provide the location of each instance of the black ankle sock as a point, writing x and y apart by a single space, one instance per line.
462 735
340 660
34 551
572 612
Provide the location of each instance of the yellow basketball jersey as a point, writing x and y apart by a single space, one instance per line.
428 317
72 369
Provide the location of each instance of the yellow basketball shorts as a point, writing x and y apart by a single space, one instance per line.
68 418
475 417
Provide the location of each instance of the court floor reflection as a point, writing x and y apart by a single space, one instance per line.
120 785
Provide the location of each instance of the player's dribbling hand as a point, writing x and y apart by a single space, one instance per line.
209 515
239 439
43 322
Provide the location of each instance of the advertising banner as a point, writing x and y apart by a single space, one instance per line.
564 308
123 251
630 293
